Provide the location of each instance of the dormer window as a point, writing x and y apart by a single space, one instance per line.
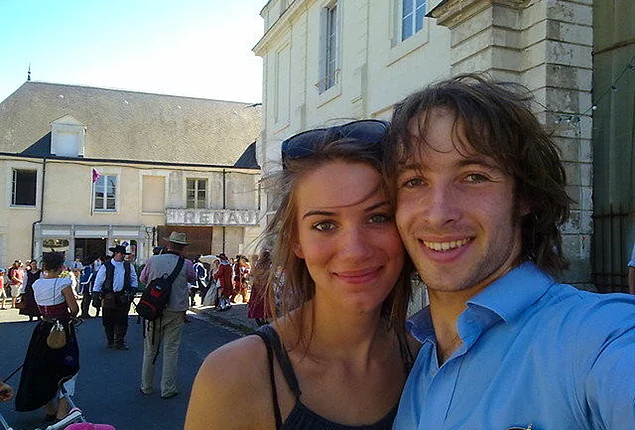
67 137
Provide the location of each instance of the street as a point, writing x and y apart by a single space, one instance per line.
108 382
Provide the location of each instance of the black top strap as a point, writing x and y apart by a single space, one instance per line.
283 359
274 392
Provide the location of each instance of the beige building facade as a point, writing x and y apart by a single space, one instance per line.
81 172
328 61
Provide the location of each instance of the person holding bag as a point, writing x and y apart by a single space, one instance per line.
48 364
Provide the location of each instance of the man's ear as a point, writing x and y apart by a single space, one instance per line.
524 208
297 249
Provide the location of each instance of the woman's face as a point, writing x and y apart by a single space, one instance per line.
347 235
33 265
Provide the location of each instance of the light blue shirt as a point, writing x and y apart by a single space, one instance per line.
534 352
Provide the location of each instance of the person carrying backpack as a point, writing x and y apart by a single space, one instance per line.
168 327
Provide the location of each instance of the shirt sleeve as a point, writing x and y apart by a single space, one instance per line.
145 272
190 272
134 281
609 382
100 278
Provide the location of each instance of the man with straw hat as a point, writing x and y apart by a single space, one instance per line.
167 329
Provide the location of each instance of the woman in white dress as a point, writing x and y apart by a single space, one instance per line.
45 368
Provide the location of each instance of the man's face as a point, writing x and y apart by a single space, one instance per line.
118 256
455 211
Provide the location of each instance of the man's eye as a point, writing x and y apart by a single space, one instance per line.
412 183
476 178
324 226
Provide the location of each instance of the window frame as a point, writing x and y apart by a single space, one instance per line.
14 193
196 190
103 178
415 7
330 47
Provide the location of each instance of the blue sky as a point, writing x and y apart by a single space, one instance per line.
197 48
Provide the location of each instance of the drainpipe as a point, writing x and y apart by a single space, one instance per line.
41 208
224 202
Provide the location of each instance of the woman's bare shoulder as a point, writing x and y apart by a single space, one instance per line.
237 370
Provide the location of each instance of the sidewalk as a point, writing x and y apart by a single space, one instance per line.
234 317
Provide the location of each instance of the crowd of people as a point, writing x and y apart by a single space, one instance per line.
463 189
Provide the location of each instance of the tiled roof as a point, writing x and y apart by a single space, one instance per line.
248 160
130 125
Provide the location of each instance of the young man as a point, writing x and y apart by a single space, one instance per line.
480 194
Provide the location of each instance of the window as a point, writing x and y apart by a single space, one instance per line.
329 49
23 191
105 193
412 14
196 193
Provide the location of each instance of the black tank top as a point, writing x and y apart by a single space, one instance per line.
302 417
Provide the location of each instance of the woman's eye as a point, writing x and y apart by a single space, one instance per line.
380 218
324 226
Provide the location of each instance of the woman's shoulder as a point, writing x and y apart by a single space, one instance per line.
237 367
237 370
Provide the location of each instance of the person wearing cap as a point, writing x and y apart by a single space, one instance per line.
116 284
224 276
167 329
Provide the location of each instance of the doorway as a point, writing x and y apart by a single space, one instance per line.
88 249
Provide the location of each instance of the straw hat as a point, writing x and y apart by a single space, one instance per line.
177 237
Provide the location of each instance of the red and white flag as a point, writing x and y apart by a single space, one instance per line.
96 175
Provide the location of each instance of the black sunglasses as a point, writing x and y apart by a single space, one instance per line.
303 144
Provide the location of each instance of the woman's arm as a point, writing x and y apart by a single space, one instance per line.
68 294
236 371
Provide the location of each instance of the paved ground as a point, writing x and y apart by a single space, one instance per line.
107 385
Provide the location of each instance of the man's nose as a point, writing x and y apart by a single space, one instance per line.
442 205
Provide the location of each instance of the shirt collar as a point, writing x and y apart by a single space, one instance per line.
504 299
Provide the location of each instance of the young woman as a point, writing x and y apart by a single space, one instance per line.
44 367
336 355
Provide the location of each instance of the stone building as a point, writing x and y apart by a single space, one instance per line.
83 169
331 60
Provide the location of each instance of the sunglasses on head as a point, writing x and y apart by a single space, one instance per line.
303 144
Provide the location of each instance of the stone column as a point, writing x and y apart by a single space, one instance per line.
546 45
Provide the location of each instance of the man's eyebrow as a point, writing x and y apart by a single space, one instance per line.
479 160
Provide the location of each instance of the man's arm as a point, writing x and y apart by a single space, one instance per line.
99 279
134 281
145 272
190 272
631 279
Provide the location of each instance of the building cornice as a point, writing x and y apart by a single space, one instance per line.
283 23
102 161
450 13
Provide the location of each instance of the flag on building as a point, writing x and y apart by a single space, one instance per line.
96 175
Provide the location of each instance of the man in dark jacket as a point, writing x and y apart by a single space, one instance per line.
116 284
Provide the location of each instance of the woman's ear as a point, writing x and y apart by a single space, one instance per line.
297 250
